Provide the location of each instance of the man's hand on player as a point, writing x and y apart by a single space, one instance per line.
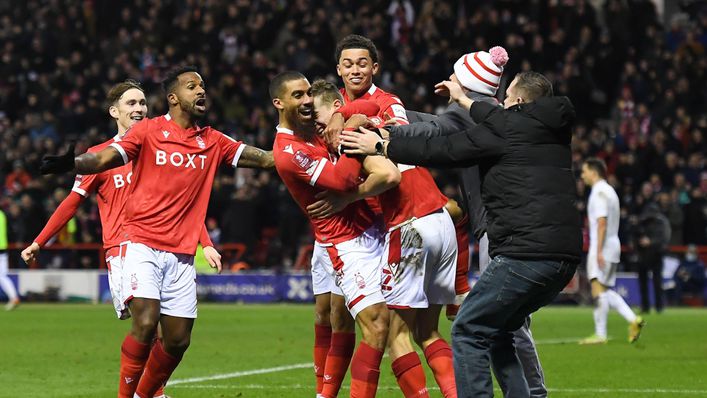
328 204
455 93
359 143
600 261
213 257
333 130
57 164
30 253
395 121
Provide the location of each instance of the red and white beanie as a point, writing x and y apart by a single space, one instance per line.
481 71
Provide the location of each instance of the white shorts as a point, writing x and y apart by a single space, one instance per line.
115 256
3 264
419 262
357 264
607 276
160 275
323 273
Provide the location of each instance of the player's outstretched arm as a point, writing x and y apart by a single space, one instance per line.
94 163
253 157
88 163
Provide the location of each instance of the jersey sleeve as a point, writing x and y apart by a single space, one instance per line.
84 185
231 149
360 106
131 143
320 172
600 207
395 110
63 213
204 237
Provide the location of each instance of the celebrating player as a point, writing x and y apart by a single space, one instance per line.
174 164
418 264
350 239
604 251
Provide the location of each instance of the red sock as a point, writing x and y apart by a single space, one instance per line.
439 357
133 356
461 283
410 375
337 362
365 371
322 341
159 367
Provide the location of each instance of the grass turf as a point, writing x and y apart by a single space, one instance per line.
67 350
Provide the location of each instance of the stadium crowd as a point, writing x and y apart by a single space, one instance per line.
638 85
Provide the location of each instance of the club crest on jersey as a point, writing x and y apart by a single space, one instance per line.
200 142
165 133
302 160
133 281
360 282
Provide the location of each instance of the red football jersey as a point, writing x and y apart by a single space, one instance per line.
417 194
390 105
173 171
112 188
307 169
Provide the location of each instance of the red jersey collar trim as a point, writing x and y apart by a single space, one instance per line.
283 130
167 117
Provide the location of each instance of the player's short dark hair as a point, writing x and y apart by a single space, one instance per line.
278 82
597 165
533 85
327 91
356 41
172 76
119 89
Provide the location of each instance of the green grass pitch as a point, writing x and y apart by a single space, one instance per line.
258 351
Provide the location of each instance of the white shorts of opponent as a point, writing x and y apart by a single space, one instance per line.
323 273
160 275
115 256
606 276
357 265
419 262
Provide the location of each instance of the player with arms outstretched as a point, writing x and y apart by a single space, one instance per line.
174 165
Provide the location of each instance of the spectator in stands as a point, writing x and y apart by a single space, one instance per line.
652 238
690 278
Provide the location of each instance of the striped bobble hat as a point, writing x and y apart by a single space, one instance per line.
481 71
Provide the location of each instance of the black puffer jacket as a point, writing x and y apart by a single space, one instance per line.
524 159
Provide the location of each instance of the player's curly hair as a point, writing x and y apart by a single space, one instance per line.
326 90
119 89
356 41
171 77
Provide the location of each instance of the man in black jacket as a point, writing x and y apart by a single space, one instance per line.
524 159
453 120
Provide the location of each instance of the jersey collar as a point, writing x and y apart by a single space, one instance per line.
372 89
283 130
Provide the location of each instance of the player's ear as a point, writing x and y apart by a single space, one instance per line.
277 103
113 112
337 104
172 99
338 70
375 68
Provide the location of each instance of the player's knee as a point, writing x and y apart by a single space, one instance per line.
377 330
176 345
144 328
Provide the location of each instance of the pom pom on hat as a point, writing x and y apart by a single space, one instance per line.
499 56
481 71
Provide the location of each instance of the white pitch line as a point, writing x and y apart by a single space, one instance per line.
555 390
242 373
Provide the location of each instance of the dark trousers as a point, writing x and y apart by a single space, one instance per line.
652 262
506 293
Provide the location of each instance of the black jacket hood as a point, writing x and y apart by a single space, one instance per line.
554 112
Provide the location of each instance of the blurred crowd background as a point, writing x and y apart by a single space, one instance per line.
635 70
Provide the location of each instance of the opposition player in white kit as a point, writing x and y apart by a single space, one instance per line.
603 211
